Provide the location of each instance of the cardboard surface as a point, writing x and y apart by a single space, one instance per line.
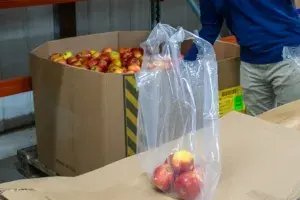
297 3
261 162
287 115
229 64
80 114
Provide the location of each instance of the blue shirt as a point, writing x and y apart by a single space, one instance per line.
262 27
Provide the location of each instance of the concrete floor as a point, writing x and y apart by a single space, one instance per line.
8 170
10 143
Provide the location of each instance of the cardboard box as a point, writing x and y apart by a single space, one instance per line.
79 113
260 160
230 91
297 3
287 115
84 119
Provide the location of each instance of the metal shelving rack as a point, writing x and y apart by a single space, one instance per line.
195 7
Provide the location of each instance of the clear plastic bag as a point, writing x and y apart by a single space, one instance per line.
178 115
292 53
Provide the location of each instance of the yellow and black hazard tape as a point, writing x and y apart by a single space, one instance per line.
131 113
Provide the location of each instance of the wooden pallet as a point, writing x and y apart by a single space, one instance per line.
29 165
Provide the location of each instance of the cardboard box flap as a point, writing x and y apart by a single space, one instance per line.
41 51
116 192
226 50
230 70
258 157
37 195
287 115
132 38
40 184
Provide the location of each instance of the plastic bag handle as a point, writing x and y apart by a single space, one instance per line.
203 46
159 35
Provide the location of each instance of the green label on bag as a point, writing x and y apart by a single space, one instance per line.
238 103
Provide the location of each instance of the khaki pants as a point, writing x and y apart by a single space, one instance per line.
271 85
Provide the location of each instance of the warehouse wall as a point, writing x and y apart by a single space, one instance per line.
178 13
22 29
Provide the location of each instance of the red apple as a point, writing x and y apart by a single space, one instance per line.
163 177
182 161
54 56
117 62
85 62
134 60
124 62
118 71
114 55
167 63
113 68
137 52
92 62
72 60
151 66
96 54
159 63
134 68
105 57
97 69
92 51
188 185
127 55
124 69
107 50
64 62
77 63
124 50
84 54
57 59
79 55
103 64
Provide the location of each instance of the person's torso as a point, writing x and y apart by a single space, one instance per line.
262 27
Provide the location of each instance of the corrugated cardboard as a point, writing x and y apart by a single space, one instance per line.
260 160
229 64
287 115
297 3
80 114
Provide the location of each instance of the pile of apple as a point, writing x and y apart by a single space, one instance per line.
126 60
178 174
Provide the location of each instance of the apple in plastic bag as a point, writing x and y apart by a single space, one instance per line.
163 177
188 185
169 159
182 161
